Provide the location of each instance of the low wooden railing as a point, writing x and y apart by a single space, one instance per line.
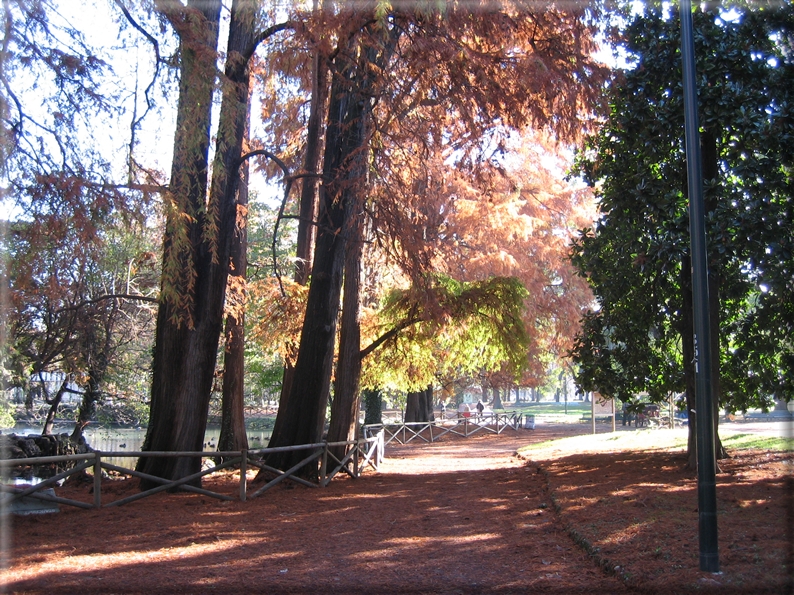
430 431
359 455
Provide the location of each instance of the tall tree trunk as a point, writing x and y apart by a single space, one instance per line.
687 331
310 188
185 354
372 406
497 400
345 405
345 165
310 191
233 434
301 419
419 406
711 174
187 197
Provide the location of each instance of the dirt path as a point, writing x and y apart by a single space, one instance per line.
459 516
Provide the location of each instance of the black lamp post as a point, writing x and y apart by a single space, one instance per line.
707 489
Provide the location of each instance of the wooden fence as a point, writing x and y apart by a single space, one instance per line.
430 431
359 454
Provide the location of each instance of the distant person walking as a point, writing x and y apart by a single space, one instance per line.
480 408
625 413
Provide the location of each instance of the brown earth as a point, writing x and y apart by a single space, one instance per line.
457 516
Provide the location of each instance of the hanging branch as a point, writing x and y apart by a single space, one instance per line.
288 180
287 187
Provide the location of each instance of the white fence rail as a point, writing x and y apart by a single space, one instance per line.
430 431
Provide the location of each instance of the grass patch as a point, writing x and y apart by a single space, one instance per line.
744 441
620 441
575 408
647 440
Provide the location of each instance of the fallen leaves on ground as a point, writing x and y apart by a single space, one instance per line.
456 516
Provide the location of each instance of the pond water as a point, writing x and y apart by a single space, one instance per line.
131 440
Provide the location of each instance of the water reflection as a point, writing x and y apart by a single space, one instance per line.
131 440
107 439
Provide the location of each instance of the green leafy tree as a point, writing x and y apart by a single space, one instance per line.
636 258
446 329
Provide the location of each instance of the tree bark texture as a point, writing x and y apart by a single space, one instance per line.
233 434
301 420
345 404
372 406
185 354
711 172
419 406
188 184
310 187
309 200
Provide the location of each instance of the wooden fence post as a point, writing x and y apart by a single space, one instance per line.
243 478
324 465
97 480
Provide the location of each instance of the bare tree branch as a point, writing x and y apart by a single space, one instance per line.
111 296
269 155
149 103
390 334
263 35
288 179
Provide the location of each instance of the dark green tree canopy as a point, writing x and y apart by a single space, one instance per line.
634 256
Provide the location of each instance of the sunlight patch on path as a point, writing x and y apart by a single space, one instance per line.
78 563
